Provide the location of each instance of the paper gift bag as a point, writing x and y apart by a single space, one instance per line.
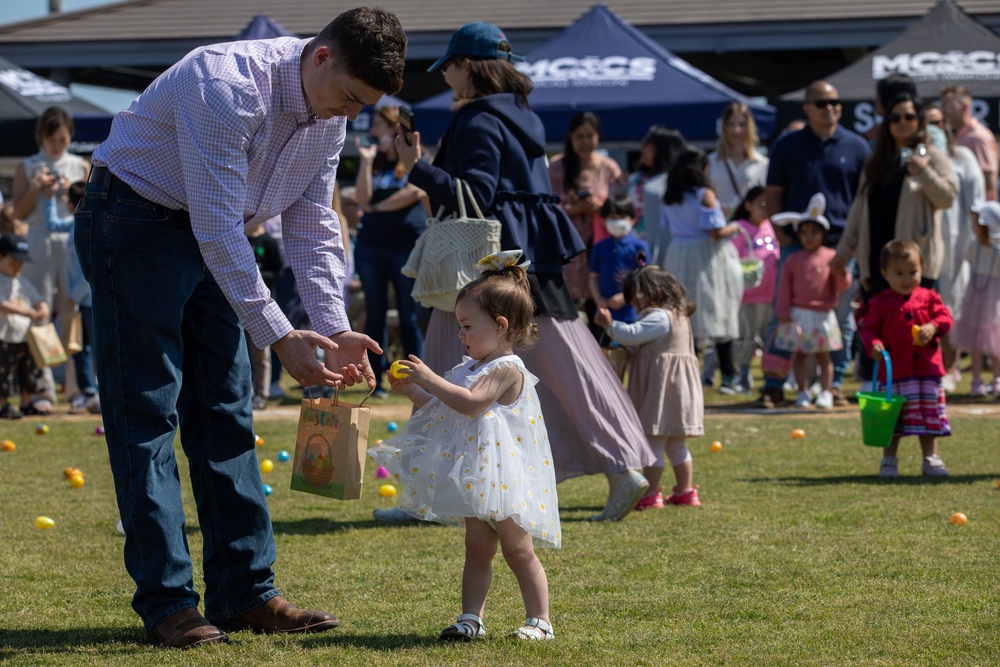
72 334
330 448
46 348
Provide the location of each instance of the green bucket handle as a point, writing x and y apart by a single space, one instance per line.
888 375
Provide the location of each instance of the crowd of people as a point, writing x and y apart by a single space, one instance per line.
230 198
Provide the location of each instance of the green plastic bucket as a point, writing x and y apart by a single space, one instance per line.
879 412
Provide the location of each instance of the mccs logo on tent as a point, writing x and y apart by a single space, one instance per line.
589 71
934 66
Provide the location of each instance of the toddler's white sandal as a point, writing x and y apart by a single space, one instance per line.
465 629
535 629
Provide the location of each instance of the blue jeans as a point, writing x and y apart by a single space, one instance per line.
377 268
845 318
83 361
171 354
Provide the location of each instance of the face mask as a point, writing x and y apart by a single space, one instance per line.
618 227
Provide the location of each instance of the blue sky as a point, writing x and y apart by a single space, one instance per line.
14 11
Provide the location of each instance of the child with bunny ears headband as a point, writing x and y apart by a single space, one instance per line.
808 290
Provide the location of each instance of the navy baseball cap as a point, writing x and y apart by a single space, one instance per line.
14 246
476 40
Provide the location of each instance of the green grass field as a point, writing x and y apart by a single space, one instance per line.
800 555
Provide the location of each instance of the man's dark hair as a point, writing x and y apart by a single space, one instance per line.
372 45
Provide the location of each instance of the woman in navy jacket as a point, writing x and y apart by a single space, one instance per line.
497 145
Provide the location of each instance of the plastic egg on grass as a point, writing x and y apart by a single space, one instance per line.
268 490
7 446
798 434
76 481
258 440
44 523
381 473
69 472
99 430
283 456
393 427
387 490
715 446
267 465
379 442
42 429
959 519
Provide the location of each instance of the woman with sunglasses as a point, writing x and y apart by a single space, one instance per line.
905 187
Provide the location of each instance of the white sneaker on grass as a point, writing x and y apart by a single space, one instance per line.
889 469
803 400
825 400
933 466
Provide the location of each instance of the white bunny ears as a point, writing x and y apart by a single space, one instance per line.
989 217
817 205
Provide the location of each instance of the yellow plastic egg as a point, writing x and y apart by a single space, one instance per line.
44 523
798 434
387 490
398 370
915 332
716 446
76 481
7 446
267 465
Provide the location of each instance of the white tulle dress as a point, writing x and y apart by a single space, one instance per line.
491 466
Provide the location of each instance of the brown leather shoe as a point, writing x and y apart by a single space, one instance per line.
278 615
187 629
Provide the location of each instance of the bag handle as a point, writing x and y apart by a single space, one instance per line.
748 239
888 374
463 189
336 396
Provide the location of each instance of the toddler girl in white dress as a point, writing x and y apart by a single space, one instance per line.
476 452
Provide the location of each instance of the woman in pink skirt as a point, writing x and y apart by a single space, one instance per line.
497 145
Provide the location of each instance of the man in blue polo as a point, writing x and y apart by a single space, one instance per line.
821 157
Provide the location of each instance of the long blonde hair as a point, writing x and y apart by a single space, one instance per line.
749 141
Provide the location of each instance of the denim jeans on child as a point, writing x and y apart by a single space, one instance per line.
171 355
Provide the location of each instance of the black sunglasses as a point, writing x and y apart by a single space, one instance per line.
822 104
897 117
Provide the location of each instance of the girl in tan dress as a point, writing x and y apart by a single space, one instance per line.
663 378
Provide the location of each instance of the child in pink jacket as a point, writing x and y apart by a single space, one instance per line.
807 296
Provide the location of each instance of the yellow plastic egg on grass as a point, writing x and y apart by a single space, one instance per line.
7 446
267 465
42 429
959 519
798 434
398 370
76 481
44 523
387 490
716 446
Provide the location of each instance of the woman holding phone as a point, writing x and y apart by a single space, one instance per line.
496 144
394 217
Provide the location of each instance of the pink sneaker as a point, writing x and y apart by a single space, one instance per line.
686 498
654 502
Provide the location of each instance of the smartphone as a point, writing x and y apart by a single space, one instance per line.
905 153
407 122
366 140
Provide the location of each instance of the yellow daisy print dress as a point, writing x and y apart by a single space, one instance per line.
491 466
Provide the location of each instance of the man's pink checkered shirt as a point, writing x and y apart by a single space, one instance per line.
226 134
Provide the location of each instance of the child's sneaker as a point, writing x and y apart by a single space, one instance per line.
978 388
654 502
934 467
825 400
8 411
803 400
689 497
889 468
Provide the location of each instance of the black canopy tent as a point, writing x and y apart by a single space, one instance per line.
946 46
24 96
